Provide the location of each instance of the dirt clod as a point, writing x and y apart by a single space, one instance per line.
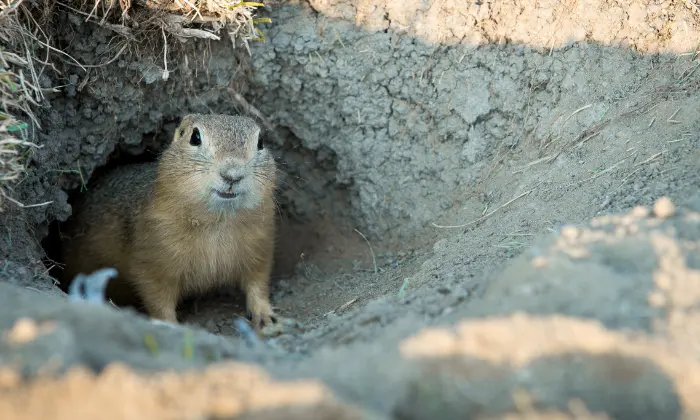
226 392
664 207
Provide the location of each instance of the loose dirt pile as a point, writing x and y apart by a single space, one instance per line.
472 222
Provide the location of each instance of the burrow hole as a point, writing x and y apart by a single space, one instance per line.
313 218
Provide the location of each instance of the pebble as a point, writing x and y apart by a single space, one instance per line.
539 262
570 233
664 207
24 330
444 290
639 212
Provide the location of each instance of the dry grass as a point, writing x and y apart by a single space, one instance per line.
179 18
19 93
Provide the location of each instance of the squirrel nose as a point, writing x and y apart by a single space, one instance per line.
230 177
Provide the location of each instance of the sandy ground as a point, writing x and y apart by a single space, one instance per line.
527 178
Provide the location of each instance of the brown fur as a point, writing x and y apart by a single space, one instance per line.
156 224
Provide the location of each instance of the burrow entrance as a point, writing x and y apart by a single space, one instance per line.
316 234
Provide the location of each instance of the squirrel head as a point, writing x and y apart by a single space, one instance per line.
219 161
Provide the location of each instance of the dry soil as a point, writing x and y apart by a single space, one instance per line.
489 210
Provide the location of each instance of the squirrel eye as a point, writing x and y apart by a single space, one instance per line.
196 137
260 143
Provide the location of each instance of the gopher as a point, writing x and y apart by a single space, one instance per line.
200 217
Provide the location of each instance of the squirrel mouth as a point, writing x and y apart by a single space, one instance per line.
227 195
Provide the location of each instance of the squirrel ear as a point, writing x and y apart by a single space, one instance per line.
258 136
182 127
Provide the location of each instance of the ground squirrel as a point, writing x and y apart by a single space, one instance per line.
202 216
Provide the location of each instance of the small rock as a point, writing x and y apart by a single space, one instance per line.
539 262
664 207
24 330
444 290
569 233
639 212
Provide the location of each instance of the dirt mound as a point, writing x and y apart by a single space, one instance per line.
514 363
471 214
634 274
227 392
